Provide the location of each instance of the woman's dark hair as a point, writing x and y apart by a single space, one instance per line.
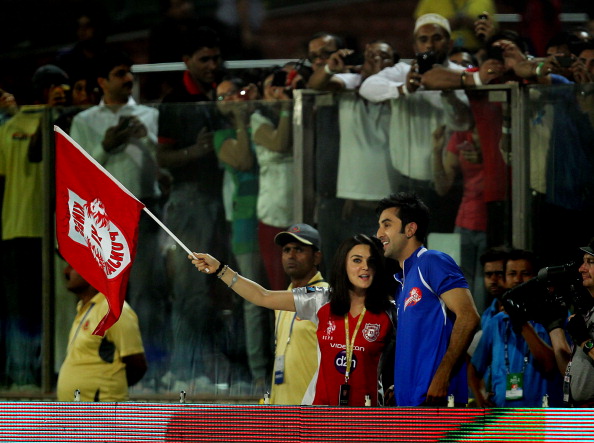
377 296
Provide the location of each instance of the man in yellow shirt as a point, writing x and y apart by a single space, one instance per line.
296 355
101 368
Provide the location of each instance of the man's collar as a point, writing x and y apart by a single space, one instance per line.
131 102
95 299
315 278
192 86
412 259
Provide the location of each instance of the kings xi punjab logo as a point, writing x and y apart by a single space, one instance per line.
90 226
371 331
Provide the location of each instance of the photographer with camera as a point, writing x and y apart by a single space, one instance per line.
576 361
516 349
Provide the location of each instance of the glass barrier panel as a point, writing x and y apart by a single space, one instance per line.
222 177
443 146
560 122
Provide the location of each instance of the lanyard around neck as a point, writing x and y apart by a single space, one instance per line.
350 344
79 325
506 352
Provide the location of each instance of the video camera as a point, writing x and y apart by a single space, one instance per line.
554 287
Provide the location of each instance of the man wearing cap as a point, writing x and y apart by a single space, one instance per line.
415 115
22 227
577 362
296 357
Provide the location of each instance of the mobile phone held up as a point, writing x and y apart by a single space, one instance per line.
481 35
354 59
565 61
125 121
425 61
495 53
279 78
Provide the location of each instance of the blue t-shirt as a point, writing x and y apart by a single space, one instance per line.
490 312
491 352
425 325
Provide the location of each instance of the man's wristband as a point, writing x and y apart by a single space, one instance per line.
538 70
329 71
477 79
221 266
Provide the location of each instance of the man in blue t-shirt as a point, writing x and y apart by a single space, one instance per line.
436 314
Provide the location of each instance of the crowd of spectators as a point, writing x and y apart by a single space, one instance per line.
213 158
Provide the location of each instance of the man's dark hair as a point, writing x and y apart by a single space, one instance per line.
569 39
109 59
494 254
376 296
195 39
508 34
395 55
338 41
410 209
458 49
522 254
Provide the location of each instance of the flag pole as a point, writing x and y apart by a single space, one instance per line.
121 186
166 229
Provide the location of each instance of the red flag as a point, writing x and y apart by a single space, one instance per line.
96 224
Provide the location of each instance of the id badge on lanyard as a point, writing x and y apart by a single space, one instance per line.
514 386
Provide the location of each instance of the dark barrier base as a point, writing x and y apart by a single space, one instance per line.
154 422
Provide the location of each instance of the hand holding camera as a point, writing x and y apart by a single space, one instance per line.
483 27
117 136
516 309
340 60
413 78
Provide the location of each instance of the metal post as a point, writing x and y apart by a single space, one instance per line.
47 251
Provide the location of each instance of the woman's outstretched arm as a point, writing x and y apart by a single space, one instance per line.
251 291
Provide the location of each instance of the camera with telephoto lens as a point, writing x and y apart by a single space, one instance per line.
425 61
553 287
